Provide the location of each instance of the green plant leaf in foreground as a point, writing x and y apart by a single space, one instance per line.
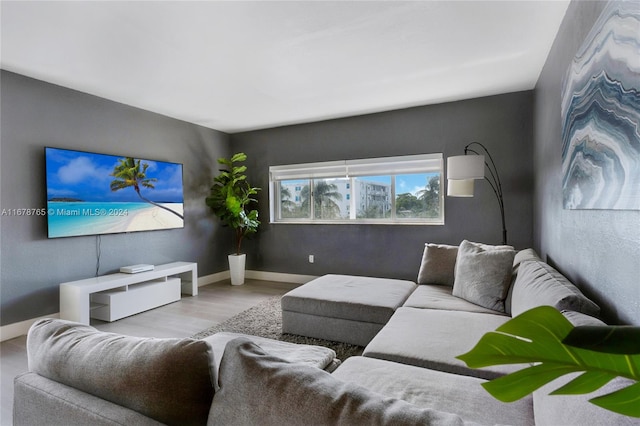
621 339
536 337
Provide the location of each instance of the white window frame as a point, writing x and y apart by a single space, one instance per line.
384 166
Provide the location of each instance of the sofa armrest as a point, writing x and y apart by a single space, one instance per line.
41 401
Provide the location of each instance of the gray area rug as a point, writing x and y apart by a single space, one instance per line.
265 320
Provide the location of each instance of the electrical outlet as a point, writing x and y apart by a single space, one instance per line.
311 259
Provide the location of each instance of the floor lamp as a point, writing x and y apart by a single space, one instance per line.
463 170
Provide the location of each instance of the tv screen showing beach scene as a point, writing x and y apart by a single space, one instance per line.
92 194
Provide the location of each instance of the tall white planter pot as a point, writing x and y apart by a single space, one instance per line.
236 268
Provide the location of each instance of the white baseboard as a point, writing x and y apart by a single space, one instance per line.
279 276
18 329
213 278
257 275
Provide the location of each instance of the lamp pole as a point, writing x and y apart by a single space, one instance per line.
494 182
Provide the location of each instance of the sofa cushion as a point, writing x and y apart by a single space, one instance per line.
576 410
462 395
315 356
349 297
539 284
438 264
578 319
261 389
38 400
432 339
168 380
483 274
520 257
524 256
353 332
441 297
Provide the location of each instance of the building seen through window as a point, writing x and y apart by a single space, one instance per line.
412 197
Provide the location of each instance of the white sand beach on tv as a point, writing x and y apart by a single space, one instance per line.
153 217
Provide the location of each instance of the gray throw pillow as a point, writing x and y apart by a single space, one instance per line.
438 264
261 389
483 274
539 284
168 380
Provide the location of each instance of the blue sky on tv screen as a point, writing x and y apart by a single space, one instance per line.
86 176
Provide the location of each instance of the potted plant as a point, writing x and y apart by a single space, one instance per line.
229 199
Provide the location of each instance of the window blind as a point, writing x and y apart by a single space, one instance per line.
409 164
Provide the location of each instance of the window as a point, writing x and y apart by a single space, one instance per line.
403 190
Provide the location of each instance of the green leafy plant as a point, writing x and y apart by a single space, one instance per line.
230 197
545 338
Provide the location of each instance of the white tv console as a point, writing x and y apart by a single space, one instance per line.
115 296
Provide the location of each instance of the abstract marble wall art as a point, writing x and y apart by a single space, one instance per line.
601 114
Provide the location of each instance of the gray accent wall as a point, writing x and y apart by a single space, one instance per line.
599 250
502 123
37 114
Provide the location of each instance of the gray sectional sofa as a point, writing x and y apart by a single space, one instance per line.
408 373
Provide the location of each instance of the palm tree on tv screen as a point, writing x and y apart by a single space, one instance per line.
131 173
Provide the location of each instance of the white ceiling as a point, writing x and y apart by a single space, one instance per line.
239 65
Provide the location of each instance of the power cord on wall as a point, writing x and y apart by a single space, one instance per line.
98 242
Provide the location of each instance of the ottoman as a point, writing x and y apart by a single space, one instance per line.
343 308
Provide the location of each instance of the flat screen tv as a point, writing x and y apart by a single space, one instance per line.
92 194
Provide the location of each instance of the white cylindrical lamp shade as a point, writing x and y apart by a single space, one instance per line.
460 187
462 167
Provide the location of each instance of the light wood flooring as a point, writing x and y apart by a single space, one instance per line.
214 304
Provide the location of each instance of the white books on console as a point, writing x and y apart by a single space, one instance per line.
134 269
